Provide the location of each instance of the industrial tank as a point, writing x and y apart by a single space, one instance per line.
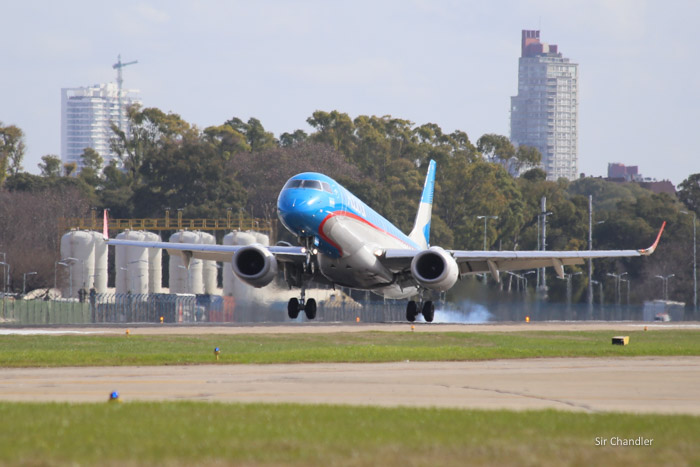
132 264
209 269
78 253
99 281
155 264
192 279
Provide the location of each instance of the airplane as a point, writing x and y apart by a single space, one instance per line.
343 242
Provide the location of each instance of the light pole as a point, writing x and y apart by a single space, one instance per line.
24 281
600 287
617 283
567 277
665 279
695 269
6 270
542 240
628 289
486 219
519 278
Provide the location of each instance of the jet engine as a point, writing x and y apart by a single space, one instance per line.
254 265
435 269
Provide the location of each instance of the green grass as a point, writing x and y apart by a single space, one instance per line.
56 351
187 433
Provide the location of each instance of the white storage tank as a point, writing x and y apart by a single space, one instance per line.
78 252
209 267
200 277
137 265
132 264
155 264
261 238
99 281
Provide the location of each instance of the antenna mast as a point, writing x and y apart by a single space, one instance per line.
118 66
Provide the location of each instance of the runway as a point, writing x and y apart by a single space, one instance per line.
639 385
326 328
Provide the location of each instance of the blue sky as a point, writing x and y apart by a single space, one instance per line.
453 63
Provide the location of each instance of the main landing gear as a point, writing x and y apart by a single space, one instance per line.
295 305
428 311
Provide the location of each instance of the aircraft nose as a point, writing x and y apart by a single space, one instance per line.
295 210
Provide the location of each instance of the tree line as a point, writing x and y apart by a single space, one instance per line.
164 162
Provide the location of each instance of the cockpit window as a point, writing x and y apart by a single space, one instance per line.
293 184
313 184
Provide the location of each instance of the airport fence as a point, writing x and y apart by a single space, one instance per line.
182 308
192 309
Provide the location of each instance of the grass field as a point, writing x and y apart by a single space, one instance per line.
186 433
70 350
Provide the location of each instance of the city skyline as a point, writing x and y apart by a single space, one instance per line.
449 63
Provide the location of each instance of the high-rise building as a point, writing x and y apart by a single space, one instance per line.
86 117
544 114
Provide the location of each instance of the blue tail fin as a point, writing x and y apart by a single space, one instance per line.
421 229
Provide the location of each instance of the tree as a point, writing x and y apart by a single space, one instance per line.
29 224
689 193
149 129
187 173
227 140
50 166
11 150
335 129
290 139
91 167
257 138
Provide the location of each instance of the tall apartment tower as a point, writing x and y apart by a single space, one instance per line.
544 114
86 117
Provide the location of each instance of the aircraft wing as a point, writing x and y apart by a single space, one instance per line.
480 261
222 253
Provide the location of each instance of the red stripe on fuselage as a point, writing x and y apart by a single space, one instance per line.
355 217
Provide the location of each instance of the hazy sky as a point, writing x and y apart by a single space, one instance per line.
453 63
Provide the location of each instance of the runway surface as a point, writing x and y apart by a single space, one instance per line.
639 385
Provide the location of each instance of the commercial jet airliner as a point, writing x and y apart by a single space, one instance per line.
344 242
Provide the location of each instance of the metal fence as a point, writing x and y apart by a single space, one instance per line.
183 308
187 308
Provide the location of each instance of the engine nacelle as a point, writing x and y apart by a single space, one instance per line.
435 269
254 265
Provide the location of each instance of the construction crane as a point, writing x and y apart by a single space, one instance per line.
118 66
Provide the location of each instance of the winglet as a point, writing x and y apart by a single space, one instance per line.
651 249
105 226
421 228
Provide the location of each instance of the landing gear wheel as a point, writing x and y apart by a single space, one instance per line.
411 311
428 311
293 308
310 308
